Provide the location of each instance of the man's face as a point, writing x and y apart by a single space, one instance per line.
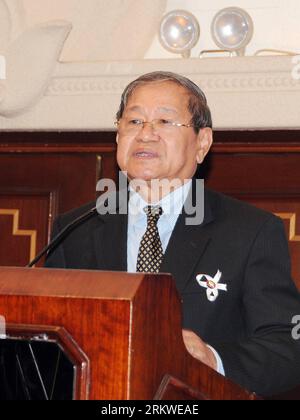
149 154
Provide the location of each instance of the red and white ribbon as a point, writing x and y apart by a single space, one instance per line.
212 285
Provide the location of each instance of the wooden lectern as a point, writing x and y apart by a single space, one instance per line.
122 331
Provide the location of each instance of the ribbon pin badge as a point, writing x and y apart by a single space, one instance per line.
212 285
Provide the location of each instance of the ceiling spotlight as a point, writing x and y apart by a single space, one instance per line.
232 29
179 32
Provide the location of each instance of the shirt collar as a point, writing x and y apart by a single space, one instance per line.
171 204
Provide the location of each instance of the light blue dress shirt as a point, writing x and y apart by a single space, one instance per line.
172 206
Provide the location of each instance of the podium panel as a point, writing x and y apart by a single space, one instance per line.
41 363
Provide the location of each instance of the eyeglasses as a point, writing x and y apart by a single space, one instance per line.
159 126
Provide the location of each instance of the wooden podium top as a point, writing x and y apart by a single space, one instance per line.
72 283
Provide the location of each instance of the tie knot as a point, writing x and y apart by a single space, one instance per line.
153 212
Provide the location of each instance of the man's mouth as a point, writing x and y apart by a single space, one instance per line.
145 154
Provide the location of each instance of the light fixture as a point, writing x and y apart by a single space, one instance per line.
179 32
232 29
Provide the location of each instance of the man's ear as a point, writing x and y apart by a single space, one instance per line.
117 139
205 141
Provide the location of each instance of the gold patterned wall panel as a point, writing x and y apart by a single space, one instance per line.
17 231
288 209
24 227
292 219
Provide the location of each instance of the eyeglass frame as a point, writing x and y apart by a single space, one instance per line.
141 123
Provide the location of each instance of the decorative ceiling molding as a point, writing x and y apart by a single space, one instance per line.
5 26
102 29
209 83
243 93
30 61
17 17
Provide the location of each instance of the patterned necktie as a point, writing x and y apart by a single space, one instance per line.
150 251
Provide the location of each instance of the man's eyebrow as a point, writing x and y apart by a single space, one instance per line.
168 110
135 108
161 109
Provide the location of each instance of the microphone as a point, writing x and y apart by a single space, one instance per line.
61 235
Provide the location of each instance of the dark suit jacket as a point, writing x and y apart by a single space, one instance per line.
250 324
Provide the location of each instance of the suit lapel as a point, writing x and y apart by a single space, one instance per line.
110 242
186 246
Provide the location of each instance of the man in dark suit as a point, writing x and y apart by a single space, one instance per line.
232 268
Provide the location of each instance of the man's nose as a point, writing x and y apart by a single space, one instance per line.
147 132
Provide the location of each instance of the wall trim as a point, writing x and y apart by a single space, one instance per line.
243 93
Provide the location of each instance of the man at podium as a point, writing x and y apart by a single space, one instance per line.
230 260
